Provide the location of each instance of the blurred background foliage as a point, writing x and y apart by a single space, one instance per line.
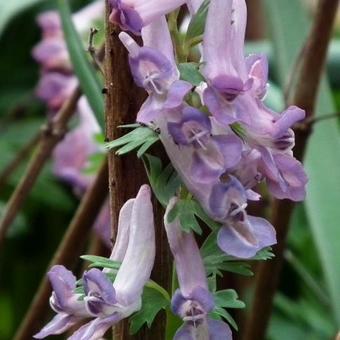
303 305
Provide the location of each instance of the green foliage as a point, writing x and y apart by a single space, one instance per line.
190 73
226 299
197 23
100 262
288 26
141 138
164 181
152 303
85 72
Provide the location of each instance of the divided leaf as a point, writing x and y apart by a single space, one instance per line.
152 303
141 138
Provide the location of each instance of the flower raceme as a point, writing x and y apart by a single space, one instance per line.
55 87
220 155
107 303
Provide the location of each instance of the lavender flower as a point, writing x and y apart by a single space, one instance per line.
192 301
212 154
224 66
63 301
154 68
133 15
241 235
104 302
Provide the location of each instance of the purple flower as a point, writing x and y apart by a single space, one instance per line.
64 301
50 24
133 15
55 88
212 154
106 302
270 134
153 68
72 154
224 64
192 301
241 235
109 303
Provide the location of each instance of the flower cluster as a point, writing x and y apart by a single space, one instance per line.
108 296
56 85
221 140
230 141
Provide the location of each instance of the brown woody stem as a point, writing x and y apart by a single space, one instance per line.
127 173
303 93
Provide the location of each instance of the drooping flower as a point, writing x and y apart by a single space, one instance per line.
241 235
192 301
133 15
112 303
224 66
105 302
154 68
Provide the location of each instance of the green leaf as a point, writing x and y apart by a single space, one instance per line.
288 25
197 23
228 298
141 137
190 72
85 72
164 181
101 262
152 303
8 9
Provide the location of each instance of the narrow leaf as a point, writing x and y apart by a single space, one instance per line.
85 72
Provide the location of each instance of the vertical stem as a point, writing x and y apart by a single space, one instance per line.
127 174
68 251
303 92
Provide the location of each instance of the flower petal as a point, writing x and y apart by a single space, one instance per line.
96 283
189 264
58 325
122 239
139 258
219 330
244 239
96 329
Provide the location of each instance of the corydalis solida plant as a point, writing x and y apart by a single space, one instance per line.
221 140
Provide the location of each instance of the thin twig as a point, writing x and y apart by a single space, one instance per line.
50 135
19 158
68 251
308 72
309 122
92 50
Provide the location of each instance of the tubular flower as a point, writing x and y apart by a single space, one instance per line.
156 71
106 302
133 15
224 66
192 301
